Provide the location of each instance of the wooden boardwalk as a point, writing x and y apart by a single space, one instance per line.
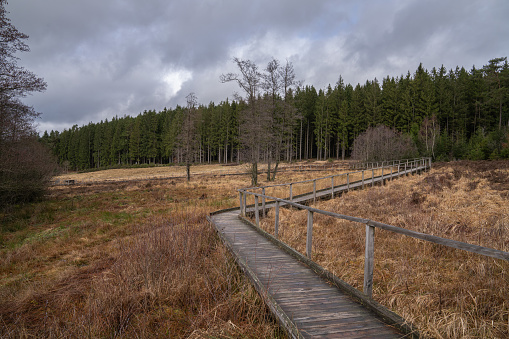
324 194
306 305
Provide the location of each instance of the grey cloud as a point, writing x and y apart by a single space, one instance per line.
111 57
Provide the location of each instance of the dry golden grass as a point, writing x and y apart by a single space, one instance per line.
162 172
129 259
447 293
148 172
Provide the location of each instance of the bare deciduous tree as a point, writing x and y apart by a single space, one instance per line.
26 168
429 133
253 122
268 121
188 138
382 143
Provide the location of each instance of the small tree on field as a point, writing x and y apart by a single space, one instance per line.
188 138
382 143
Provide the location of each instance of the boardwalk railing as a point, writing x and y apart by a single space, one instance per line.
376 164
370 226
386 171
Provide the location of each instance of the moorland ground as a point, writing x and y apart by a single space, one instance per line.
128 255
137 258
447 293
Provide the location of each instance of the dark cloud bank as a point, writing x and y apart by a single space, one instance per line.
106 58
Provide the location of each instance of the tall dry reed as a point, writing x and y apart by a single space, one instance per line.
447 293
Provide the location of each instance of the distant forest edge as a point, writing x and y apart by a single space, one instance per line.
447 114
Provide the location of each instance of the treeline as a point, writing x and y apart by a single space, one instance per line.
447 113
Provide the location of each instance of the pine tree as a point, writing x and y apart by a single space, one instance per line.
496 74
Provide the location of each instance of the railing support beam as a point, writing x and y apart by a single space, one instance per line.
241 207
369 261
314 190
276 220
309 237
257 213
263 203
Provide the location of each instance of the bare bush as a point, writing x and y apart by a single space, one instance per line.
382 143
25 171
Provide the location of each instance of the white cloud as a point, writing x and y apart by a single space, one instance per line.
174 80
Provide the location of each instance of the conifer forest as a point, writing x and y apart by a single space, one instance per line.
448 114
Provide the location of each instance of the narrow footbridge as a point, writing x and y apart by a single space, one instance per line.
307 300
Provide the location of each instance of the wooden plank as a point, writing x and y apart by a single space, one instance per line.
297 292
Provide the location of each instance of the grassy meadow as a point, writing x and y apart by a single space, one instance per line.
124 256
125 259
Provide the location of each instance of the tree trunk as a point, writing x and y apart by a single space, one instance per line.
300 141
275 171
254 174
268 168
188 171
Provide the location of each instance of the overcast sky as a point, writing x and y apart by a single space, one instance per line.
103 58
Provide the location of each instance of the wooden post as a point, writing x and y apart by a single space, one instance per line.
391 175
314 190
240 198
276 220
257 215
309 238
263 203
372 177
245 202
382 176
369 260
244 194
348 182
362 179
291 192
332 188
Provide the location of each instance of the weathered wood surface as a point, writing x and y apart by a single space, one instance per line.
306 304
337 190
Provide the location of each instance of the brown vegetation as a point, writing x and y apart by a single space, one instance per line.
447 293
130 259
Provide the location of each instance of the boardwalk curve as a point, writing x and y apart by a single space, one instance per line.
304 303
308 301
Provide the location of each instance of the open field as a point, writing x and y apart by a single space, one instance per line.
125 259
447 293
170 172
136 258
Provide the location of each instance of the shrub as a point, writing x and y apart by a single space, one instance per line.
383 143
25 171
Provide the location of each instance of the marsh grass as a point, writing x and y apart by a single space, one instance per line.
447 293
134 259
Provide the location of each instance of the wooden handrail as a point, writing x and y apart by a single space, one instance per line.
370 225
